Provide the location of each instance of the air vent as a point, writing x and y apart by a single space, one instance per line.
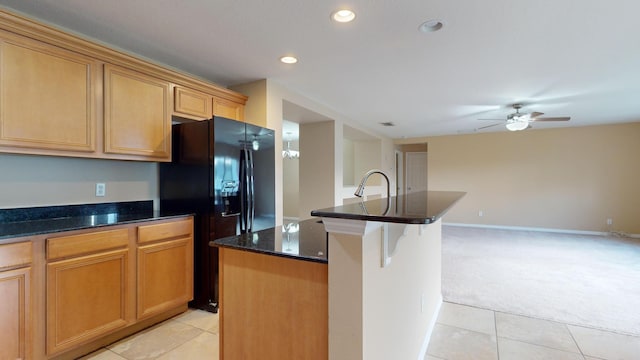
388 123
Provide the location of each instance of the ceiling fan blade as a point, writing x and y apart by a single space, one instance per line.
488 126
535 114
563 118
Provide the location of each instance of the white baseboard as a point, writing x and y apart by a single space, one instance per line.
562 231
427 337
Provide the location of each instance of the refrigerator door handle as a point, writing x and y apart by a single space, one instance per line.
243 196
245 207
252 196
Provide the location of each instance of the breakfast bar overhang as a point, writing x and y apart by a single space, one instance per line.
384 274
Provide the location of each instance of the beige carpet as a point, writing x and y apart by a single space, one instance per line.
584 280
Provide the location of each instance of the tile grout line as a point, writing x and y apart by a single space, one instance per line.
544 346
575 341
495 328
461 328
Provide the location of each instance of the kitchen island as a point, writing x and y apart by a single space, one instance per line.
273 293
376 297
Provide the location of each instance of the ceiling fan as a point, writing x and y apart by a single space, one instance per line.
521 121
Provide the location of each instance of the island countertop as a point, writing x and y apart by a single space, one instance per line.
304 240
423 207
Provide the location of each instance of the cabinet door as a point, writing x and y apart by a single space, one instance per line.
228 109
14 313
86 298
165 276
47 96
137 116
192 104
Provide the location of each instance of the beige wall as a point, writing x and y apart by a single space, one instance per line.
317 167
367 155
347 162
271 111
27 180
567 178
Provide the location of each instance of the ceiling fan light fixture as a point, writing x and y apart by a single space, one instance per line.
521 118
517 125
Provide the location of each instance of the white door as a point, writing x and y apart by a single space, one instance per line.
416 170
399 173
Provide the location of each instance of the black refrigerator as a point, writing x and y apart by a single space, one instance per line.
223 171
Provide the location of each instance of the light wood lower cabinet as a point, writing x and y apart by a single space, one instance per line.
15 313
165 267
86 298
87 280
99 284
164 279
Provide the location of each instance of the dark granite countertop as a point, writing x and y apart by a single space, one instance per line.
308 242
51 219
422 207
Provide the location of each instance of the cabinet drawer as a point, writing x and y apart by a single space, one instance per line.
148 233
14 255
86 243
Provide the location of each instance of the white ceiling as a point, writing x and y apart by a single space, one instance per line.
560 57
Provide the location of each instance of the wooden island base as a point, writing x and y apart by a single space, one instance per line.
272 305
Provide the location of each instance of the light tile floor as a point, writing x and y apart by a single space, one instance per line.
462 332
190 335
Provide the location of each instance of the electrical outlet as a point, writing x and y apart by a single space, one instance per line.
101 189
609 221
480 213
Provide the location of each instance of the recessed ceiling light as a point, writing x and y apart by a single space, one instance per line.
343 15
431 26
289 59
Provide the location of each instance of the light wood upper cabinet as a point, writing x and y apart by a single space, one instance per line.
15 311
47 96
137 116
192 104
63 95
228 109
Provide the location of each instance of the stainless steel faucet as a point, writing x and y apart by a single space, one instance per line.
360 190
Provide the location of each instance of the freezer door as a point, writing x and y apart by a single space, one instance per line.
229 137
260 141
